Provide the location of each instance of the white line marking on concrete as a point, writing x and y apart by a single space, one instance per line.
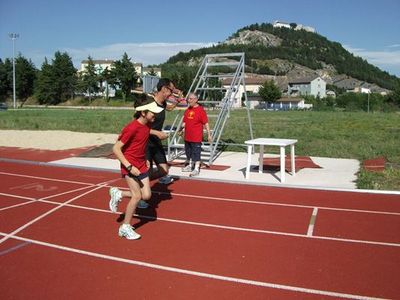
312 222
196 273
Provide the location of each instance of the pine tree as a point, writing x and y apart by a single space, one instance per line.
89 79
25 73
269 92
124 75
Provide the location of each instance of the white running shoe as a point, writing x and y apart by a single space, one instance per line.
143 204
166 179
126 230
187 168
115 198
195 172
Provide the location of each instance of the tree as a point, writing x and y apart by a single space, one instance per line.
65 77
181 75
152 72
5 83
106 77
25 73
45 90
89 79
124 75
269 92
394 96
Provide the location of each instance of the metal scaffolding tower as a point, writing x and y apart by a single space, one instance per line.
217 83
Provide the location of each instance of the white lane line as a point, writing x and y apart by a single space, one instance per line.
312 222
233 227
44 215
198 274
18 205
32 200
98 186
278 204
224 199
44 178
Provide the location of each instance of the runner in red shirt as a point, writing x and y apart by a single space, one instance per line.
130 149
194 119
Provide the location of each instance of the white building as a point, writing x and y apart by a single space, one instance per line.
313 86
253 85
280 24
102 64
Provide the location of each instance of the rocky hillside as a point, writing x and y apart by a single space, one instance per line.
249 37
295 54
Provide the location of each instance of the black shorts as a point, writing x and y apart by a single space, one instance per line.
140 177
156 153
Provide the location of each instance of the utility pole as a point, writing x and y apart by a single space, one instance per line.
14 36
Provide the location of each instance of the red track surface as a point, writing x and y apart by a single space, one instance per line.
200 240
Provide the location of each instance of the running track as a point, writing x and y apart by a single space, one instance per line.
200 240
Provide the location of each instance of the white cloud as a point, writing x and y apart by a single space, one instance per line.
388 60
146 53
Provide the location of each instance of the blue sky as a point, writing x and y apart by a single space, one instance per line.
150 31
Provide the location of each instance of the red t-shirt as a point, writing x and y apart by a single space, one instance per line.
194 119
134 136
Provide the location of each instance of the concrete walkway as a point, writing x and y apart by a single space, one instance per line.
334 173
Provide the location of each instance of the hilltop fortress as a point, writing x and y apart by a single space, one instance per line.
278 24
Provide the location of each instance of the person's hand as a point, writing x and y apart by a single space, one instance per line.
180 132
178 92
135 171
162 135
209 138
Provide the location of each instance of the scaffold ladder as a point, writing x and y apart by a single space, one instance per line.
219 80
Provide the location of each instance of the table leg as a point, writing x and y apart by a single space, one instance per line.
292 160
282 152
249 153
261 160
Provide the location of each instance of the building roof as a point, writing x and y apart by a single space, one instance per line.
307 79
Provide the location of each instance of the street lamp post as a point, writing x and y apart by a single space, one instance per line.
14 36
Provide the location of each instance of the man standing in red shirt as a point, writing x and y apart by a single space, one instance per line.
194 119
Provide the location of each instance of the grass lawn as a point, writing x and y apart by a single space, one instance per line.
355 135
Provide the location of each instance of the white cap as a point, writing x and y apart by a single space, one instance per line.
153 107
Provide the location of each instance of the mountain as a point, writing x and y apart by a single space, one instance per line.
295 53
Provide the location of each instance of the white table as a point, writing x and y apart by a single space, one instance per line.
282 143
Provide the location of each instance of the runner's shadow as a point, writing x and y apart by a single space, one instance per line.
160 193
